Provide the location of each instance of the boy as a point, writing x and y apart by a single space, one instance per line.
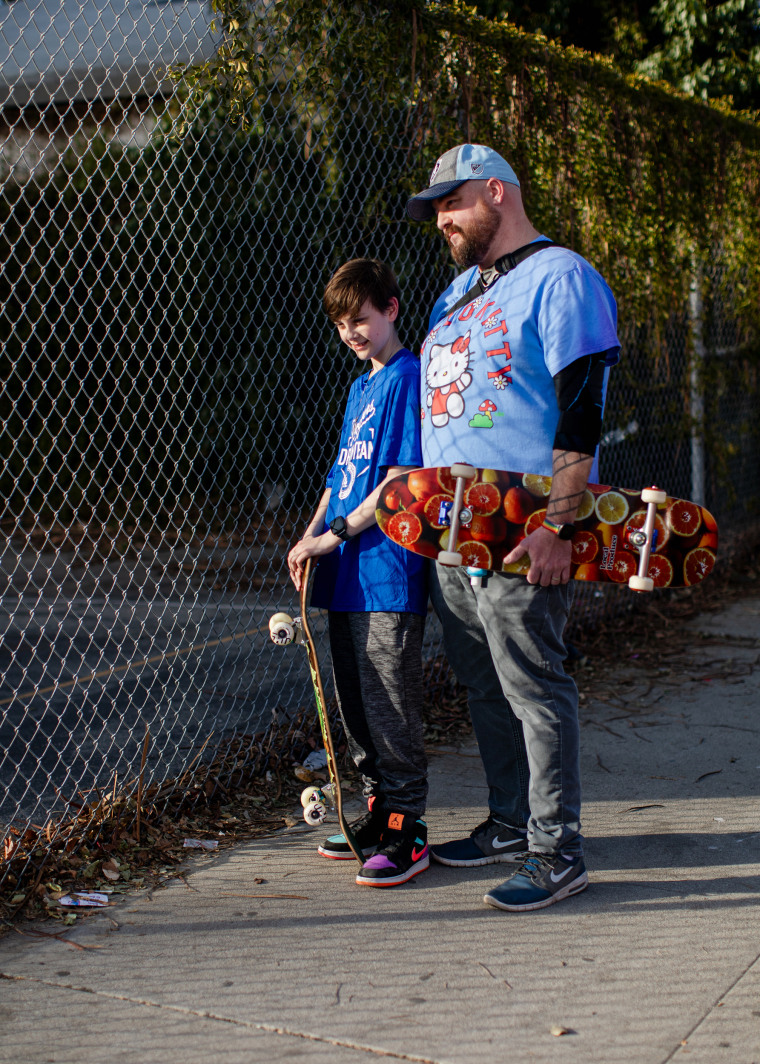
375 591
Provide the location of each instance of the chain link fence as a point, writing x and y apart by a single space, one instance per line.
172 393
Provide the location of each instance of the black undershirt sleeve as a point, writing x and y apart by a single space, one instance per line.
579 388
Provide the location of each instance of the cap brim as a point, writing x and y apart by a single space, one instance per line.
419 207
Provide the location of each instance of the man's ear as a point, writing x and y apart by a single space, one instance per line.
495 189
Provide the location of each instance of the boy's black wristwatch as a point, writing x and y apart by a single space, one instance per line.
339 528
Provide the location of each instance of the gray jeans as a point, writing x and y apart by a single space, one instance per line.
377 667
504 642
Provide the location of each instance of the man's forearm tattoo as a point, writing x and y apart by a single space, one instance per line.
563 504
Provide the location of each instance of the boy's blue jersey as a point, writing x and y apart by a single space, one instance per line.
381 428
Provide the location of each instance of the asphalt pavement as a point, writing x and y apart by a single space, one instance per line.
267 952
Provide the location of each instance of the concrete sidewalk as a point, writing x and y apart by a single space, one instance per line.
658 961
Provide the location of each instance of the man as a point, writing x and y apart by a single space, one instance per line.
529 329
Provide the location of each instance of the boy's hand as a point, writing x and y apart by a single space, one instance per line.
309 547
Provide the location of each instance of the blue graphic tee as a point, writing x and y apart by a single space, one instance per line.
488 393
381 428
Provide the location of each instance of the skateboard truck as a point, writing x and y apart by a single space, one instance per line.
645 539
459 516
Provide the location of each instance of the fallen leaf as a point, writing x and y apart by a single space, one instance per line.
704 775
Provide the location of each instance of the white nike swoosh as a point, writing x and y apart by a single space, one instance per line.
556 879
498 845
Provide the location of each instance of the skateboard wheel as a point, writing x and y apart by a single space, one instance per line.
449 557
312 794
281 629
640 583
653 495
476 575
460 469
315 813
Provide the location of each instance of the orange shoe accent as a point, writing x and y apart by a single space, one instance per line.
396 821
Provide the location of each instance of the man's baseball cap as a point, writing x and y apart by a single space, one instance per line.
466 162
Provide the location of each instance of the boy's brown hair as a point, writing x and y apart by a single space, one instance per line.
357 281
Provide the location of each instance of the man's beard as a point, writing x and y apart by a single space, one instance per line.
477 237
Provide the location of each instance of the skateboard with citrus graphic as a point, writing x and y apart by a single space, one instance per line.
284 630
460 515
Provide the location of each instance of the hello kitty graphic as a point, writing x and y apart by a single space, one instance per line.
447 376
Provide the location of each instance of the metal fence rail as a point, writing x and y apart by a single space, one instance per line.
171 392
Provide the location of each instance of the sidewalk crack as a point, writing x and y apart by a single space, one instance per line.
206 1014
721 997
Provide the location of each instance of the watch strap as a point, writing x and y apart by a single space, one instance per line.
339 528
564 532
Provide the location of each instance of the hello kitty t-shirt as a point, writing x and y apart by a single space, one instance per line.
488 369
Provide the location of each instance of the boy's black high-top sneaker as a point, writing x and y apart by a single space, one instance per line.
402 852
367 831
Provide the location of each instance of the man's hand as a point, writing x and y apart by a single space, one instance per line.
549 557
309 547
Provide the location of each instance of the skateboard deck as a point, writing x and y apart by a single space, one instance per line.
460 515
283 630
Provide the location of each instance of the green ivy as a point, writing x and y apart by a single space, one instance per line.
649 184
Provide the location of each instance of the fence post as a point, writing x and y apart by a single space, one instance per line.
696 395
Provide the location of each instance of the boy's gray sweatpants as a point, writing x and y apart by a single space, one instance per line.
377 667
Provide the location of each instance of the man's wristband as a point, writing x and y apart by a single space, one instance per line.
566 531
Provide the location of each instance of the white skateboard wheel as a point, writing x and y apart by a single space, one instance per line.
653 495
449 557
315 813
461 469
281 629
312 794
640 583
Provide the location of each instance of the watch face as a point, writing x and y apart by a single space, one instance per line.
566 531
